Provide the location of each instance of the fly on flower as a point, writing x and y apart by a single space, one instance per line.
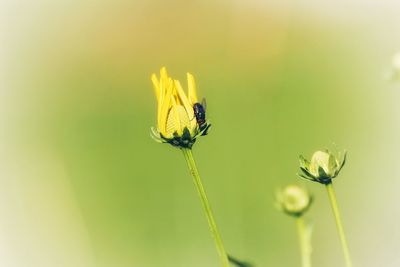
176 110
200 114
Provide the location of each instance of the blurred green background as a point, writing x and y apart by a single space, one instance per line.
82 184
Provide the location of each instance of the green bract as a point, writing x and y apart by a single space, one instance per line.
323 167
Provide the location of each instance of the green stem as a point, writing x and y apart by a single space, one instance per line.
304 239
206 206
335 208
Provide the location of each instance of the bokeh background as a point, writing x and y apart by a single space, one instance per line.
82 184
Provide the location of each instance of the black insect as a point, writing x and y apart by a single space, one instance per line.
200 114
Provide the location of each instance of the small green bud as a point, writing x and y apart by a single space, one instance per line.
293 200
323 167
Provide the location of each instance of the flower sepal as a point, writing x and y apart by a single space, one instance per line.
181 141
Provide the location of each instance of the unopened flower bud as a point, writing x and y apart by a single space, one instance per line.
293 200
177 122
323 167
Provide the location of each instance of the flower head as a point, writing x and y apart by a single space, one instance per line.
323 167
176 120
294 200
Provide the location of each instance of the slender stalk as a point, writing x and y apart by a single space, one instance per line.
206 206
304 239
335 208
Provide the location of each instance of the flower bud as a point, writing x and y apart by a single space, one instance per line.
177 123
294 200
323 167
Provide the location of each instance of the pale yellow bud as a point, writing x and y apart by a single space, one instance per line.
294 200
323 167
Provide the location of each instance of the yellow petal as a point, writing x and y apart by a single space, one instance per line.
164 75
165 106
159 93
170 127
192 93
177 120
184 118
156 85
188 106
175 115
183 98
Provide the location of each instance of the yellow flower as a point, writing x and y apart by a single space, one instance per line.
294 200
177 122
